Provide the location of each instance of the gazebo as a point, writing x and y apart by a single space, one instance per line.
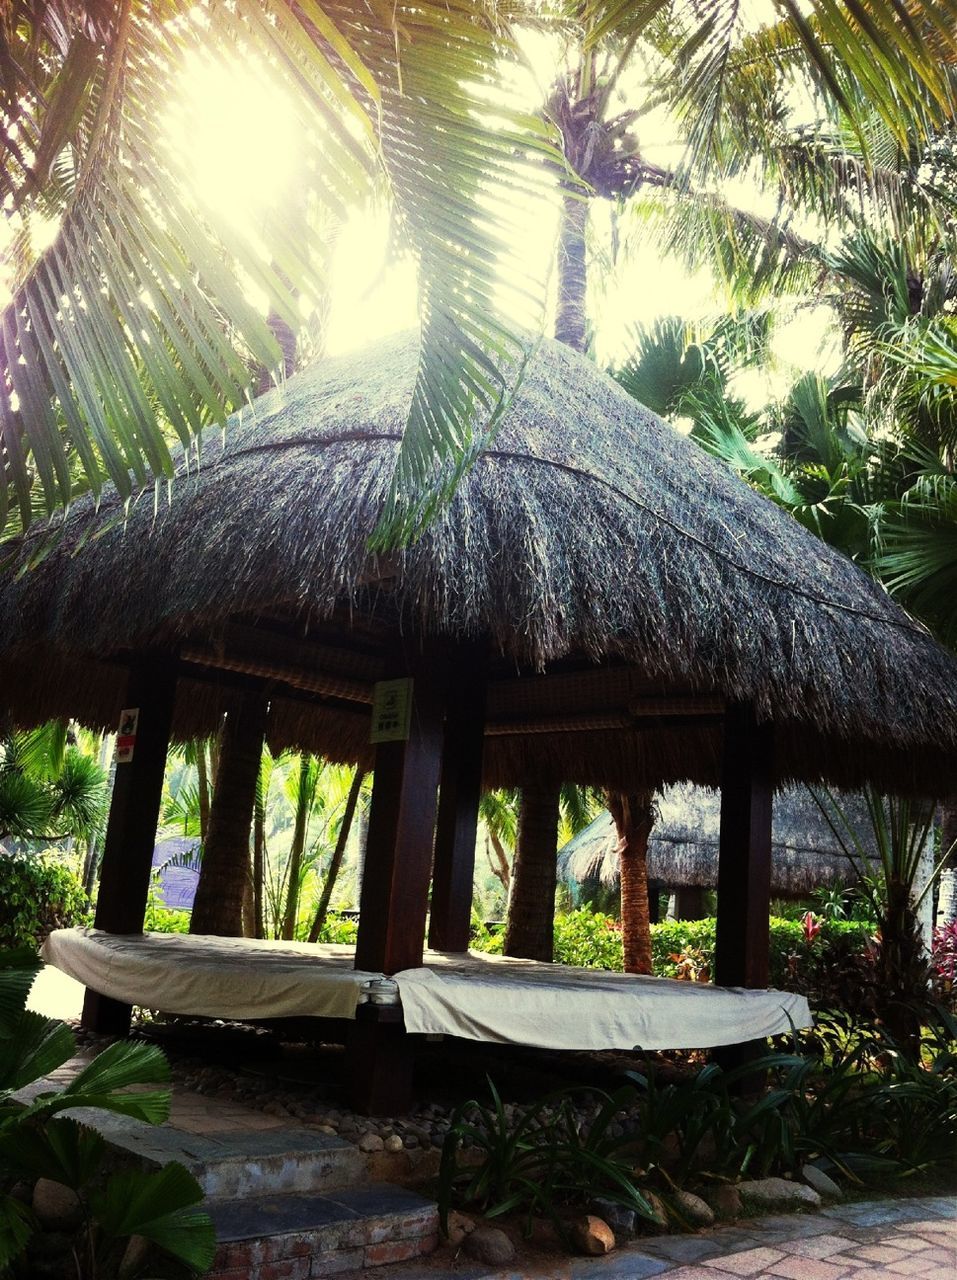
600 602
685 839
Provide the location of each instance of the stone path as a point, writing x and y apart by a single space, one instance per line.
870 1240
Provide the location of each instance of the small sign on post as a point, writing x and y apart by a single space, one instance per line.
126 735
391 710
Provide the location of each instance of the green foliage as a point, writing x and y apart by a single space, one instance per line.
49 790
588 939
160 919
338 928
38 1141
539 1159
39 893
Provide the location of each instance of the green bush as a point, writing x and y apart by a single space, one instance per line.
160 919
588 940
339 929
832 967
39 894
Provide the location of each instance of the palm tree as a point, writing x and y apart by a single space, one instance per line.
126 329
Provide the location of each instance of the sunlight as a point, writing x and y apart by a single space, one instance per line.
234 133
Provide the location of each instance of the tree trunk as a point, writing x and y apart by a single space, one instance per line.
499 864
571 320
338 854
94 845
202 788
259 855
634 817
531 909
294 870
218 906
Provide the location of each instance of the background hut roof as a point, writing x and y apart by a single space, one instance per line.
591 533
683 849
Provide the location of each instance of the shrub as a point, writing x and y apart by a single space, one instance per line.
160 919
37 1140
39 894
944 956
339 929
588 940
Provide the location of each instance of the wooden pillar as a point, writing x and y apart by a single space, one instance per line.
131 828
398 861
744 858
460 790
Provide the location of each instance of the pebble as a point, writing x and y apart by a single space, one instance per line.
695 1211
592 1235
826 1187
765 1194
393 1143
371 1142
489 1245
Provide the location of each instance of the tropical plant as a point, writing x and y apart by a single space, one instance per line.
38 1142
49 789
122 313
539 1159
900 831
39 893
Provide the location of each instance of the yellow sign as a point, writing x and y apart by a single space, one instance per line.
391 710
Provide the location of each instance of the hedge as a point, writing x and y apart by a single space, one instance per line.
38 894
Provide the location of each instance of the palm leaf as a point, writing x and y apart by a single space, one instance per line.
159 1207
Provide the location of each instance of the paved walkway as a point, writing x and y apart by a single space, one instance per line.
869 1240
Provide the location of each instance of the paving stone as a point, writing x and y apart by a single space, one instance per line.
806 1225
685 1248
750 1262
916 1266
621 1266
822 1246
879 1253
806 1269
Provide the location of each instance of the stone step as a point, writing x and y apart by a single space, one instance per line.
236 1164
310 1237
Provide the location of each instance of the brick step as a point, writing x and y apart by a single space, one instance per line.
310 1237
235 1163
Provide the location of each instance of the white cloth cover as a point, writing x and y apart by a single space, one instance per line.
508 1001
476 996
213 977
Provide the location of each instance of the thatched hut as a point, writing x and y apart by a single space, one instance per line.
685 840
600 602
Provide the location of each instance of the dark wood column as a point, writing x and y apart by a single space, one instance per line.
131 828
744 858
460 790
398 863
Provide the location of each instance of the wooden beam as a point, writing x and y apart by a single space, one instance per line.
460 790
131 828
744 857
398 863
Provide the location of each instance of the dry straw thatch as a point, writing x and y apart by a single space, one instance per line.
591 533
683 849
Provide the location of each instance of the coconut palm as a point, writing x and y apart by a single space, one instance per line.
50 790
129 325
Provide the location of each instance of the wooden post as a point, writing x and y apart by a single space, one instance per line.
744 857
398 863
460 790
131 828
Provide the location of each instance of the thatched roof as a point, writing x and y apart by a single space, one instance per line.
591 534
683 848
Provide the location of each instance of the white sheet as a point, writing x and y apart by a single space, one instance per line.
508 1001
212 977
476 996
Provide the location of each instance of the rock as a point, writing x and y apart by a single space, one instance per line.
623 1221
134 1256
724 1200
693 1209
766 1194
58 1207
371 1142
459 1226
489 1245
659 1214
393 1143
592 1235
826 1187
